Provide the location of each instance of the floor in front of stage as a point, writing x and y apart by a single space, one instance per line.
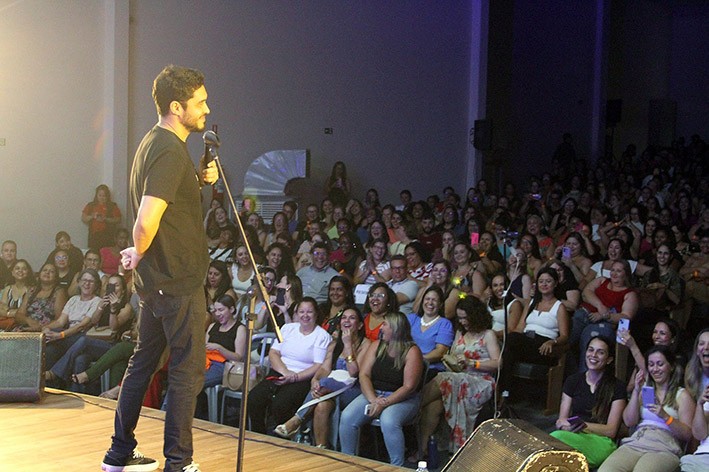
70 432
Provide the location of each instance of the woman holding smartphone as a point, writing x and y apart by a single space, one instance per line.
662 415
592 405
696 379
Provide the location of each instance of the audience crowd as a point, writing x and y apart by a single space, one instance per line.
419 310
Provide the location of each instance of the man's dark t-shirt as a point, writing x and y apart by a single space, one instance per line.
177 259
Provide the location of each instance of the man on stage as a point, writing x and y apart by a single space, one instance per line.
170 261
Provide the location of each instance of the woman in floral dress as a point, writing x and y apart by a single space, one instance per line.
459 396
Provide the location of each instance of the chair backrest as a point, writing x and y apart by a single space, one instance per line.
266 340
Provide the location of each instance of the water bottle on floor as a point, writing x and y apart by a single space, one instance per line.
422 467
432 452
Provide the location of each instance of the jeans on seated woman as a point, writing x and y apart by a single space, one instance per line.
392 421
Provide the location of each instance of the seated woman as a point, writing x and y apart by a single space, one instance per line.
569 287
659 292
696 378
461 395
375 268
289 294
268 276
592 405
521 283
418 261
114 307
214 226
65 274
662 427
313 229
111 255
496 308
116 358
490 258
440 277
348 255
44 304
664 333
574 256
616 251
223 249
217 284
605 302
542 330
256 222
278 258
279 224
78 315
11 297
390 377
226 340
339 297
466 275
294 362
92 260
431 330
447 244
241 270
377 230
380 300
304 260
62 242
530 246
345 352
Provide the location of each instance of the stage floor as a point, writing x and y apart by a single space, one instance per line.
70 432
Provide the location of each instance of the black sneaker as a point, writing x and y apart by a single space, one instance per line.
136 462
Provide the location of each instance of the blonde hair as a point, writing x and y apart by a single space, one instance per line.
401 340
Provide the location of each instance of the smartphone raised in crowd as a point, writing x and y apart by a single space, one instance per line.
566 252
474 239
624 323
280 296
648 395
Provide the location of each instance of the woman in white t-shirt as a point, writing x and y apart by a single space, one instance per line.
79 314
293 364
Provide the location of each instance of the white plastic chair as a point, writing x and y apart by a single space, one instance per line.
212 393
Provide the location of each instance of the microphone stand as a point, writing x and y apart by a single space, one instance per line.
506 240
211 140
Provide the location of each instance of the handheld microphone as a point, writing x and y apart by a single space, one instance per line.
211 143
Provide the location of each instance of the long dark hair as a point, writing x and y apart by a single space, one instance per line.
537 294
479 319
339 345
327 304
224 283
441 299
675 379
392 304
606 386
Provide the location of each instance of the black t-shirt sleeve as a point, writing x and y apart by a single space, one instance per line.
165 175
620 392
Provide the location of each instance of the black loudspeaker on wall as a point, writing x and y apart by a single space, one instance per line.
482 135
21 367
514 445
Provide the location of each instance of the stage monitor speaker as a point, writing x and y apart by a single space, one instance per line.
482 137
21 367
514 445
